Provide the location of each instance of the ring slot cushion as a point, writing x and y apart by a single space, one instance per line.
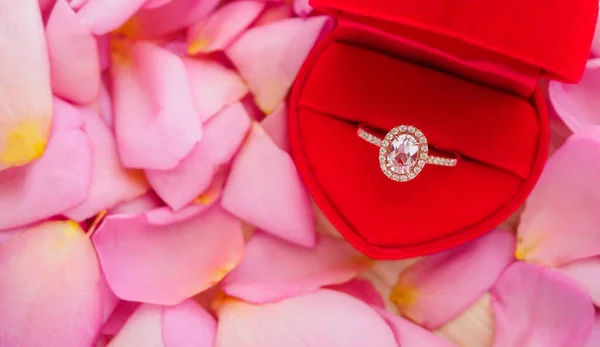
465 73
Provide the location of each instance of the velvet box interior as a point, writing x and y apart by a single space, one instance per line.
465 73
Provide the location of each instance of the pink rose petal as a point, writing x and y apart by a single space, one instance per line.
362 290
586 272
216 32
177 45
214 86
171 17
596 42
297 271
155 116
104 106
166 216
275 13
559 134
436 290
155 3
408 334
77 4
223 135
253 110
109 300
26 97
536 306
143 204
578 105
6 235
119 317
45 4
103 47
302 8
104 16
560 220
262 170
322 319
111 182
74 59
188 325
143 328
49 288
215 189
165 264
594 340
56 182
270 56
276 126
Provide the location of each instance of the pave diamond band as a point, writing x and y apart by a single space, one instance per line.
404 152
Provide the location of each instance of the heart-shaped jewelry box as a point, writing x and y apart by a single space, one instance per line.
466 73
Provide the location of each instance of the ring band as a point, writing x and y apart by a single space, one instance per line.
404 152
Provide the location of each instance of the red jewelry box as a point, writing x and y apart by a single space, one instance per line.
466 73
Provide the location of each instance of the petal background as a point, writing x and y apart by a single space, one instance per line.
25 89
585 272
58 302
297 271
536 306
60 180
559 222
437 289
577 104
74 56
111 182
270 56
155 115
223 135
263 170
141 261
223 26
325 318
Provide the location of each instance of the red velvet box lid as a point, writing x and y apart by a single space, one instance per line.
465 72
554 35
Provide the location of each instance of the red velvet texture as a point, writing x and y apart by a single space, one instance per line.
420 67
554 35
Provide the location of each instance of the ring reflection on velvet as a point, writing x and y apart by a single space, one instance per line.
404 152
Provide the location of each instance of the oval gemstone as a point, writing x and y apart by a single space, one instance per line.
403 154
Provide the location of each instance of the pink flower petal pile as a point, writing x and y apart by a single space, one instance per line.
148 198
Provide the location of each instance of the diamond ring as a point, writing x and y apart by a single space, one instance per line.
404 152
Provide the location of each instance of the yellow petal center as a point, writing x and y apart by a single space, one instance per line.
520 253
271 97
206 198
222 299
221 272
525 249
404 296
121 39
24 143
120 51
198 46
73 228
129 29
70 230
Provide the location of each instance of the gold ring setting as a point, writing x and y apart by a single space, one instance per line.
404 152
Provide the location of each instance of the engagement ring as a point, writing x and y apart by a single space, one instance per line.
403 153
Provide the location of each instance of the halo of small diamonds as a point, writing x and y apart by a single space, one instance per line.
404 152
403 139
